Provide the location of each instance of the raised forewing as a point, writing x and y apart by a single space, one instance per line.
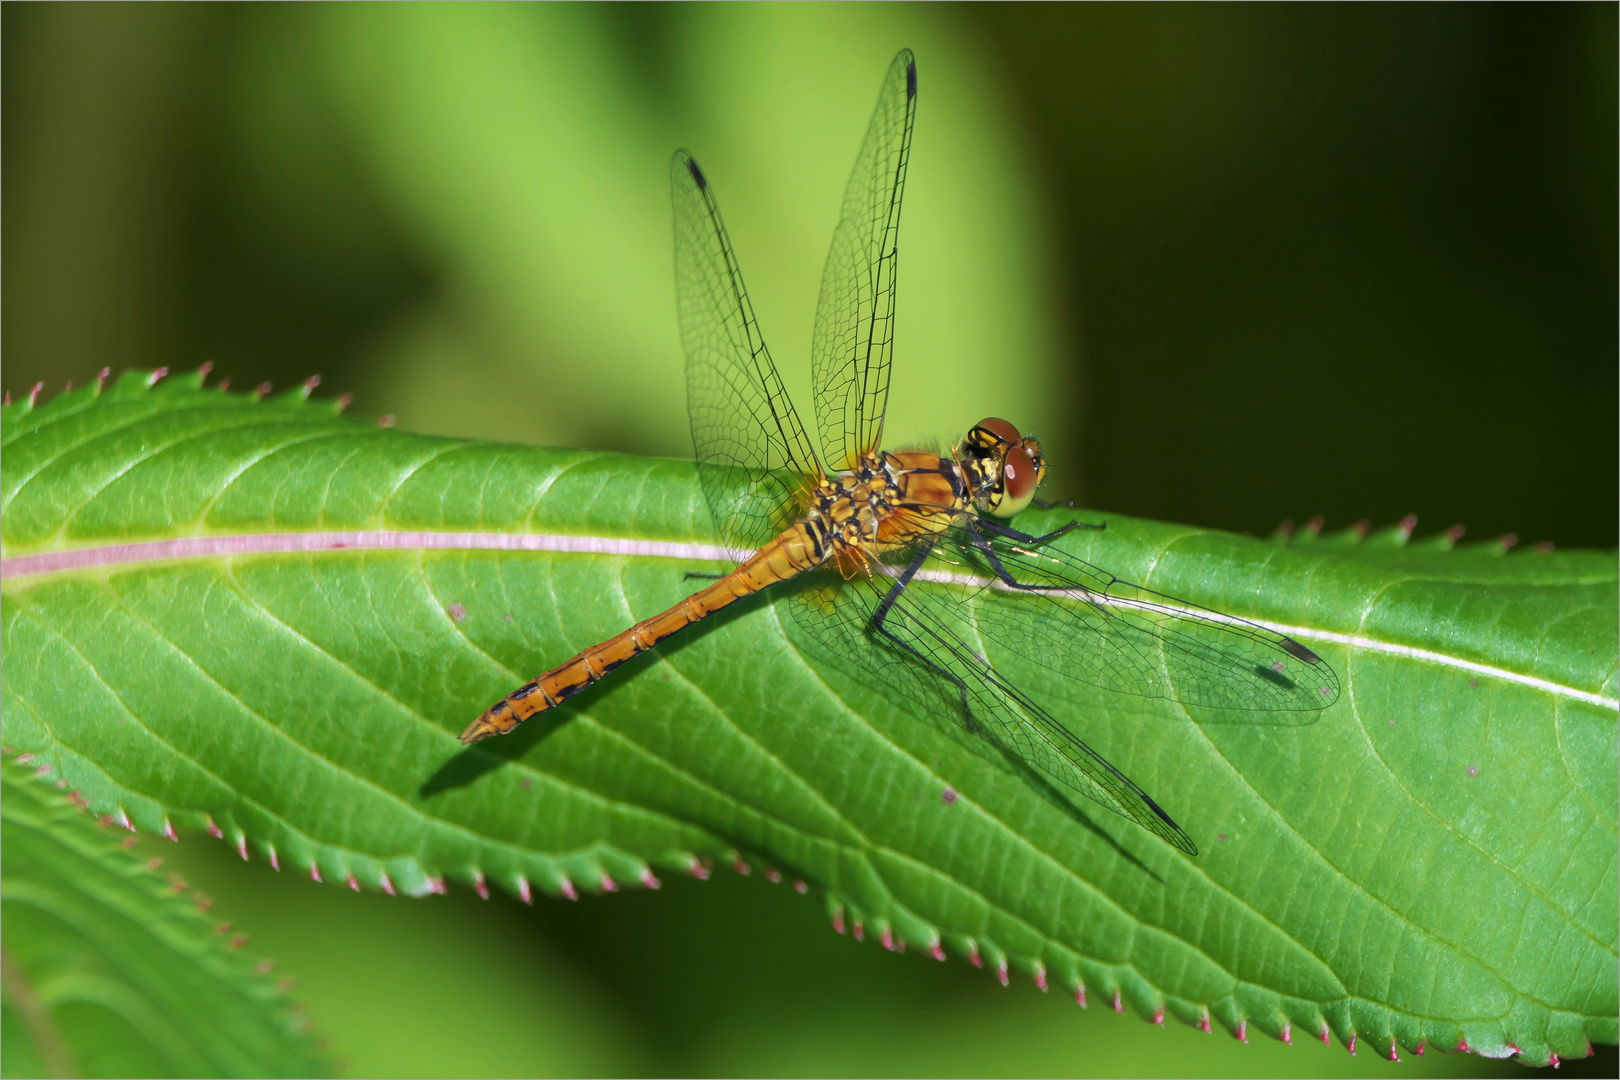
753 456
854 336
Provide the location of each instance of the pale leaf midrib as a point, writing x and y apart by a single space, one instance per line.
20 568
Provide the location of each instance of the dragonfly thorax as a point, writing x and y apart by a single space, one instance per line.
853 505
888 501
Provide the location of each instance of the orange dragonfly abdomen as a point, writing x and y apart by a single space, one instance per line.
797 549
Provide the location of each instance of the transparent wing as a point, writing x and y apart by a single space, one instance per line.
946 628
853 342
928 655
753 456
1089 625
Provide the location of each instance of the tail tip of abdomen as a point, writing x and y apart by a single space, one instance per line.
478 729
496 721
509 712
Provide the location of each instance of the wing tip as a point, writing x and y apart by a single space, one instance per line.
1295 649
1178 837
906 59
683 161
1324 696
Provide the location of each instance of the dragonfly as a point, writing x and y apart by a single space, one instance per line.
858 534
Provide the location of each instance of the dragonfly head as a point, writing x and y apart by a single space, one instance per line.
1003 468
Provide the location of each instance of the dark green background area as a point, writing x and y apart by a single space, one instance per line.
1355 261
1349 261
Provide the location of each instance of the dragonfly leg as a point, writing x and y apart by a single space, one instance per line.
1042 504
1055 533
882 613
972 527
694 573
999 529
900 583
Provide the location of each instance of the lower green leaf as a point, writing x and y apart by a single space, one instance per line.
109 971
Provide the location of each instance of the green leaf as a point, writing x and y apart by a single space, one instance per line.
109 971
1432 861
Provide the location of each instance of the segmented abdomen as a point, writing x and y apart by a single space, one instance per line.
797 549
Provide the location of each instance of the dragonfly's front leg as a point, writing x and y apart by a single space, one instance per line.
974 522
1067 504
973 525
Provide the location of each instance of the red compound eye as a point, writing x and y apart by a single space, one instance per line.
1020 474
1018 479
999 428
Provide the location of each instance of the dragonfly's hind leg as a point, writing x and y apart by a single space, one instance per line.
881 615
900 583
699 574
955 680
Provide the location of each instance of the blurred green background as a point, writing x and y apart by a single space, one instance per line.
1235 264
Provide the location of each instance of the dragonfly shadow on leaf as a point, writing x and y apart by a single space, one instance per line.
1291 720
1080 815
485 757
